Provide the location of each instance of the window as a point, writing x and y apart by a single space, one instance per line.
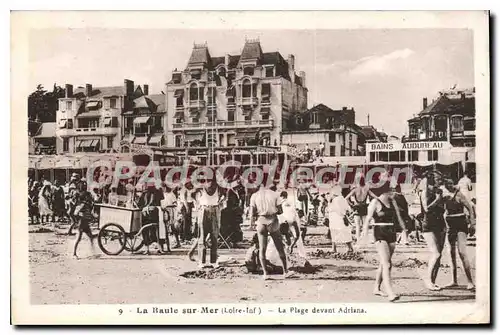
230 115
457 123
222 72
69 105
394 156
178 141
193 92
331 137
88 123
248 71
211 95
432 155
470 124
65 144
413 156
372 157
70 123
110 142
179 120
342 150
265 116
314 118
248 117
112 102
402 156
195 120
246 89
231 75
196 74
269 72
383 156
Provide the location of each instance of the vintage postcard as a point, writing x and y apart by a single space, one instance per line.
180 168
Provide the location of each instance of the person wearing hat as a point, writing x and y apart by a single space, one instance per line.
149 203
58 202
83 215
385 214
337 209
33 202
44 201
455 203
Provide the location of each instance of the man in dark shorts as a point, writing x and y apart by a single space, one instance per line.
84 216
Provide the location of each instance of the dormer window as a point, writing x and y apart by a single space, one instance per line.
196 74
221 72
177 78
69 105
248 71
269 72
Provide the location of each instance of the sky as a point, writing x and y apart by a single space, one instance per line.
380 73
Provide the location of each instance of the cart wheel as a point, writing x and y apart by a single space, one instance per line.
111 239
134 243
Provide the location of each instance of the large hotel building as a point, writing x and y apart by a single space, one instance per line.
233 100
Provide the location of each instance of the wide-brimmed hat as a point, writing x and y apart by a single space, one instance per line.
75 175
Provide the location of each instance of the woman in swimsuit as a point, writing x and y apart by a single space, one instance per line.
385 212
457 230
360 192
433 227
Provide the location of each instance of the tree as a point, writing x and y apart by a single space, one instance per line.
42 104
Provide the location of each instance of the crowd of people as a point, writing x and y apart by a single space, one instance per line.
447 211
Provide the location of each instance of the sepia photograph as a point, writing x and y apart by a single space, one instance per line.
187 169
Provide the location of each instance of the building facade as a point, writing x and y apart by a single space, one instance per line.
443 132
335 129
233 100
102 119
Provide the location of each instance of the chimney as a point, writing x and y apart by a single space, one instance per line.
368 119
302 75
88 90
424 103
145 89
226 59
129 87
344 108
69 91
291 62
291 67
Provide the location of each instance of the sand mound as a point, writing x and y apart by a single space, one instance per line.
345 256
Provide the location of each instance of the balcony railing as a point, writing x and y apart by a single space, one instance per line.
265 103
64 132
250 101
224 124
196 104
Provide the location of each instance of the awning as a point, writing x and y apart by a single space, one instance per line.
194 137
89 114
128 113
246 135
128 138
179 114
107 122
141 140
155 139
62 123
141 119
84 143
92 105
46 130
178 93
95 143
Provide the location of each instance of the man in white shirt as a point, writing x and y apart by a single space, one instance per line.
465 185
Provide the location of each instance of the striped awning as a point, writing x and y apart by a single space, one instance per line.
107 121
141 119
155 139
92 105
